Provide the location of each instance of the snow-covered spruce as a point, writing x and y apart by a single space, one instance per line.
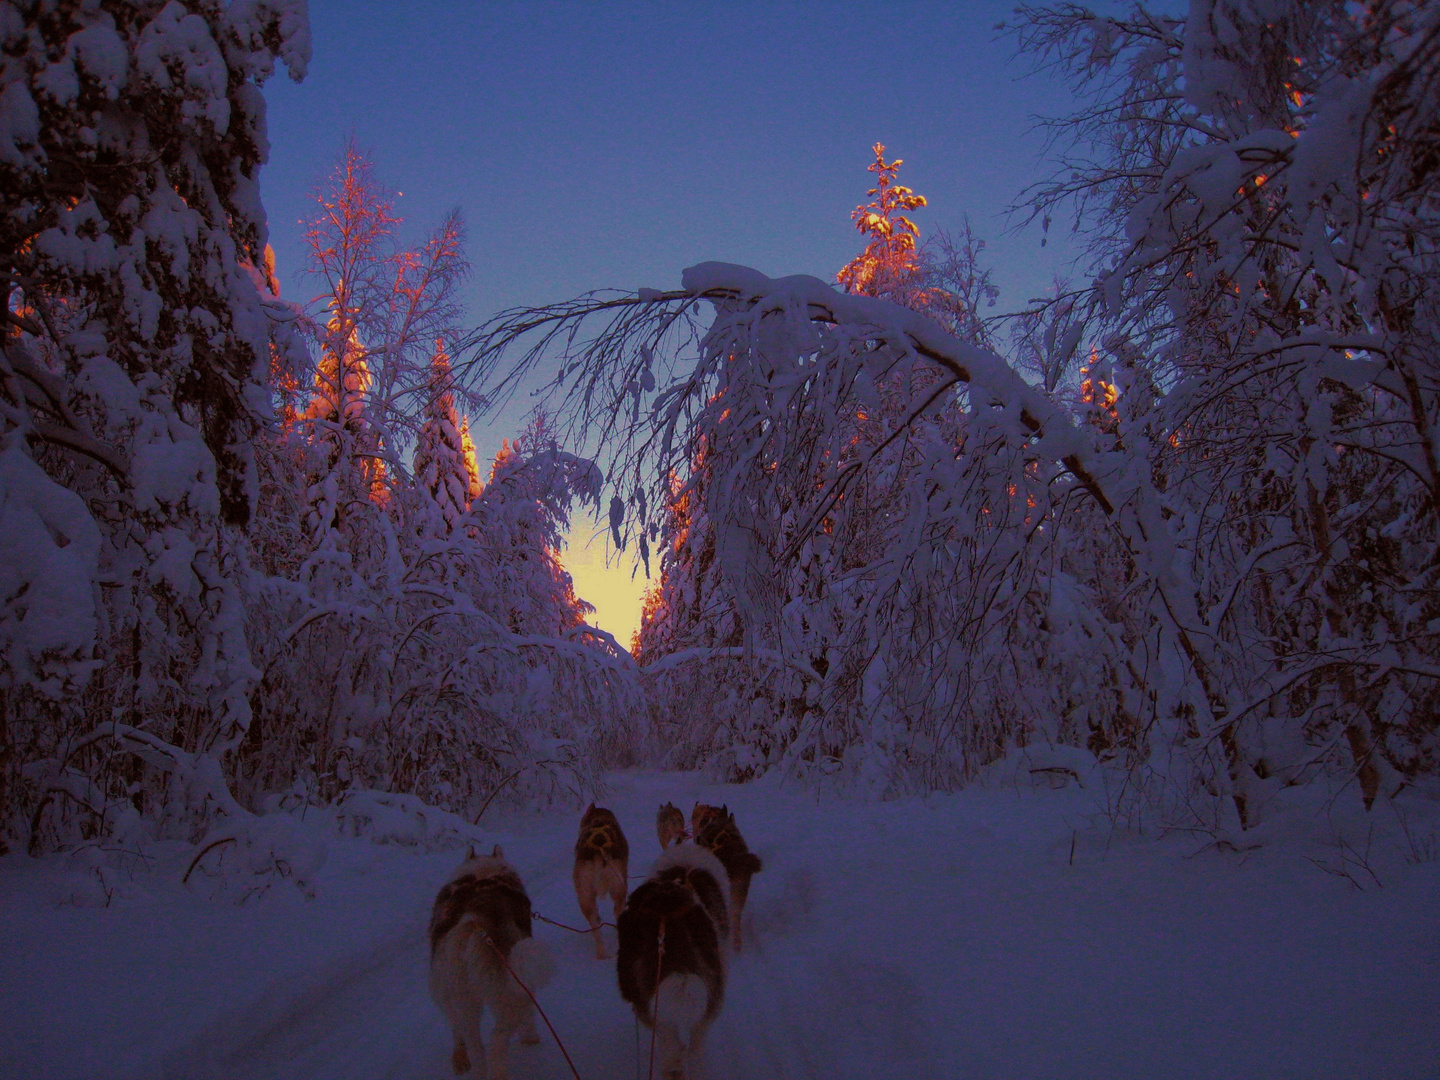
131 391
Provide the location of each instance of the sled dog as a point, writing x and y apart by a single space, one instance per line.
670 825
481 915
676 982
602 861
714 828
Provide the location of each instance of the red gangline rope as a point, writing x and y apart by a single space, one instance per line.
528 993
655 1012
572 929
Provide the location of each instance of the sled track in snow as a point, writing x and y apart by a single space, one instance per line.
367 1014
295 1022
802 1003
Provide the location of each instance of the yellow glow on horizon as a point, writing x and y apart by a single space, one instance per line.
613 590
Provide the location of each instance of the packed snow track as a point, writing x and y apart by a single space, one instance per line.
946 937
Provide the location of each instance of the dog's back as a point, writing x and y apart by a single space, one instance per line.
669 825
485 895
679 991
479 935
715 829
601 838
602 865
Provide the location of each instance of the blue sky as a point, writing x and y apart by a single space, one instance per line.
611 145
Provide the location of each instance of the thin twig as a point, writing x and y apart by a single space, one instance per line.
203 852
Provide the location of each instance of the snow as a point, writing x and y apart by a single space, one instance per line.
49 547
177 43
19 126
946 936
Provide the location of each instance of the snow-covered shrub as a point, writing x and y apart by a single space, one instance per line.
387 817
244 857
452 666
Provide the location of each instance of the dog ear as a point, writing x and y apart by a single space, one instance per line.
498 853
470 854
589 808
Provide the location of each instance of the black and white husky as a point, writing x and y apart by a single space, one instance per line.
481 923
671 964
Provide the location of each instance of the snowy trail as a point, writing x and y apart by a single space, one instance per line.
292 1030
948 937
368 1013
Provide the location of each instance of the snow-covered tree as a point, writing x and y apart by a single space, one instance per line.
135 351
889 266
1260 184
1201 547
850 461
864 586
442 462
416 637
473 484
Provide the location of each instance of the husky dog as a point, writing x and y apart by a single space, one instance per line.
714 828
481 916
602 862
671 965
670 825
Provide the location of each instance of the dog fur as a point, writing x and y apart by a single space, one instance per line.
677 992
714 828
670 825
602 865
482 910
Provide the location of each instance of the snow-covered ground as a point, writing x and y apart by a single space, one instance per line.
949 936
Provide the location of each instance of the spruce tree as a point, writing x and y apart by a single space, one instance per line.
135 349
472 463
442 468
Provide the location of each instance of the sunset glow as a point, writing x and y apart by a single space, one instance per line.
607 579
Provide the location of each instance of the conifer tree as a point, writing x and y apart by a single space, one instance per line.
441 466
347 445
474 487
135 348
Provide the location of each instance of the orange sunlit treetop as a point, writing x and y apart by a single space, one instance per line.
342 381
1094 390
472 464
889 256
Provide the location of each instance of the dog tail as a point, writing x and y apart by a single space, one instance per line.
682 1002
751 862
531 961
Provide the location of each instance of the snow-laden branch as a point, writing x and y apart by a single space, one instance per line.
914 332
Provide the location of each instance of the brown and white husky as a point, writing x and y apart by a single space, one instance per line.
714 828
602 863
670 825
671 963
481 923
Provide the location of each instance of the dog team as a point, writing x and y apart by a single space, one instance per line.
672 930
